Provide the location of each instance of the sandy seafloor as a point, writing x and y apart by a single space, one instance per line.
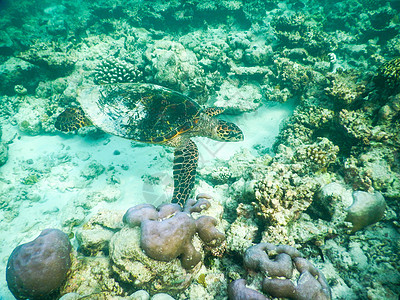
305 75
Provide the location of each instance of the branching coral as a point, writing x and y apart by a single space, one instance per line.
292 75
343 88
318 155
281 196
359 178
301 126
359 127
113 70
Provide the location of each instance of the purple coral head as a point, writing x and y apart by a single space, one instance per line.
162 240
310 285
237 290
270 259
207 231
279 261
135 215
167 231
37 269
201 203
280 288
167 210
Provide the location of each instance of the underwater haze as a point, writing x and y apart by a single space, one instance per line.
306 205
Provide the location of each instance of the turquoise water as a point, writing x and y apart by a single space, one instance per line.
314 87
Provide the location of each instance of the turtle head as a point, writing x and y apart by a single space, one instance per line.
228 132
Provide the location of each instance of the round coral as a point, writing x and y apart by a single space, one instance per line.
37 269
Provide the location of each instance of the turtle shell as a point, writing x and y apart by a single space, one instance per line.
143 112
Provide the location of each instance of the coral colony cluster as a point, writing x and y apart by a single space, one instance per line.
280 261
313 214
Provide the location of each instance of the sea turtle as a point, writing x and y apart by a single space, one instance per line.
152 114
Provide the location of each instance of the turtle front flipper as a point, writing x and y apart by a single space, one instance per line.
185 165
71 119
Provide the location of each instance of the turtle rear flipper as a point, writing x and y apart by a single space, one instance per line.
71 119
185 165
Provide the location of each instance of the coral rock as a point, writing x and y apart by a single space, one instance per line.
366 209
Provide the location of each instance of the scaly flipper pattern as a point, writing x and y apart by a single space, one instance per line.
185 164
71 119
214 111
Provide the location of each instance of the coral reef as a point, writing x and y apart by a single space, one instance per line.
303 126
50 57
331 202
295 32
237 100
335 63
95 236
38 268
17 72
92 276
281 196
343 88
131 265
128 248
292 75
